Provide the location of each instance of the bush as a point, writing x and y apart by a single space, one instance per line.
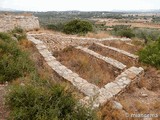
151 54
123 31
78 27
148 35
14 62
45 102
126 33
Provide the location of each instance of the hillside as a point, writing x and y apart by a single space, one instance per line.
100 75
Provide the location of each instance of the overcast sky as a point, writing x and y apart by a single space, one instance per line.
83 5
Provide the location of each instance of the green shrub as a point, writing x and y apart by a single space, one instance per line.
151 54
78 27
147 34
5 37
18 30
14 62
123 31
120 27
47 102
18 33
126 33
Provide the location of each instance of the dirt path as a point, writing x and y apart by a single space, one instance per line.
3 110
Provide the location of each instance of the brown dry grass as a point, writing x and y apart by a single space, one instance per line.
134 106
156 105
141 107
134 103
138 42
108 53
123 45
109 113
151 79
139 25
25 43
88 67
98 35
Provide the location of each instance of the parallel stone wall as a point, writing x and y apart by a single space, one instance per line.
9 22
125 56
108 60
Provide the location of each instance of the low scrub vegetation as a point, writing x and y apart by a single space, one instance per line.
18 33
148 35
150 54
123 31
56 27
45 102
14 62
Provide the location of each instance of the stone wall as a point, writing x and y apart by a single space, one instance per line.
125 56
108 60
9 22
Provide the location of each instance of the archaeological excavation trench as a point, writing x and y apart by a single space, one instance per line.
94 70
98 77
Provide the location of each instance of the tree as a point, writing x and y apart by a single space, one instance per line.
78 27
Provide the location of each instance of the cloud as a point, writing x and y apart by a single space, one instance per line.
84 5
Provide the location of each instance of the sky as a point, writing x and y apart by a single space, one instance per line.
82 5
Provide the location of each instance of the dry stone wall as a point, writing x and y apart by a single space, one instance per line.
9 22
108 60
126 56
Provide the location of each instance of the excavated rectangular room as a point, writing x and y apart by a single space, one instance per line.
94 70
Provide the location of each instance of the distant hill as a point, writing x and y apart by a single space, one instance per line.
138 11
8 9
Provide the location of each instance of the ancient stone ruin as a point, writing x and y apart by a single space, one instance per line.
95 96
26 22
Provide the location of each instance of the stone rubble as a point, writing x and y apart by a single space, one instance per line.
117 105
82 38
59 41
